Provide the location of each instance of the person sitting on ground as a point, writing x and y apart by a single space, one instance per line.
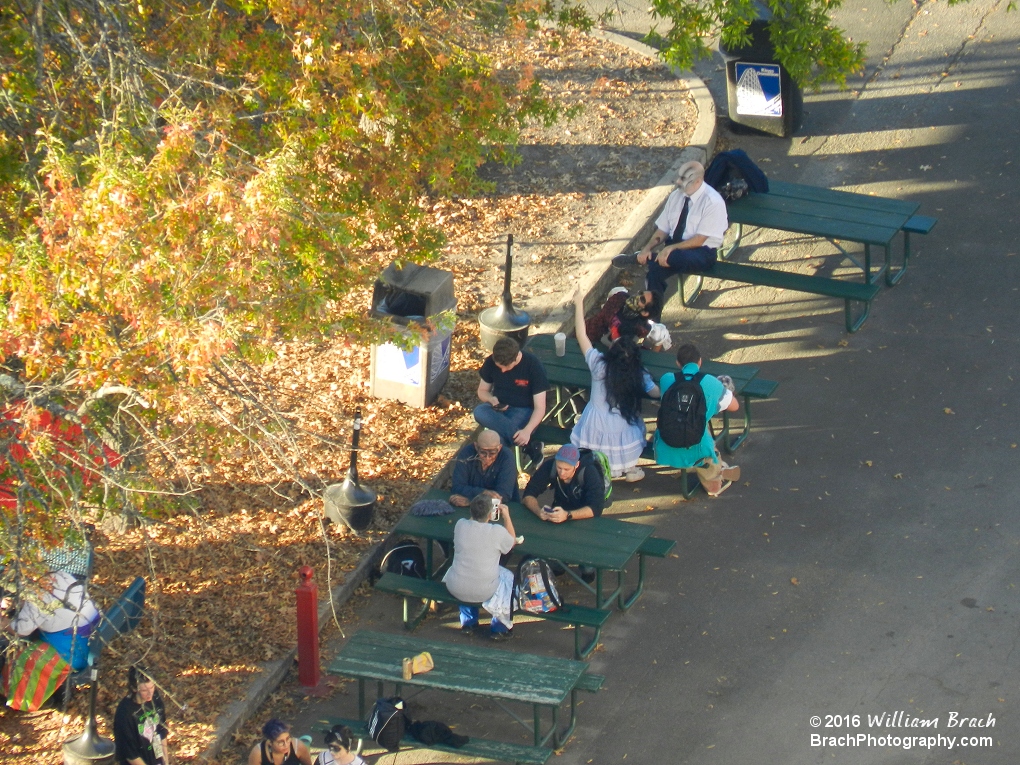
139 725
484 466
690 229
475 575
611 421
512 391
625 314
339 743
278 748
715 475
60 609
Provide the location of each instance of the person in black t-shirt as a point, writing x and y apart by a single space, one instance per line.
512 391
139 726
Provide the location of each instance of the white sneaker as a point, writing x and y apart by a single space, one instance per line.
634 474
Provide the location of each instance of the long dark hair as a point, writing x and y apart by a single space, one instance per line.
625 379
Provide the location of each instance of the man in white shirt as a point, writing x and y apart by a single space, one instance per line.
690 229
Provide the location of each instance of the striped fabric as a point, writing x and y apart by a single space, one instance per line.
33 676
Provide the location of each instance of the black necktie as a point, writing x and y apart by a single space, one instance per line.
678 232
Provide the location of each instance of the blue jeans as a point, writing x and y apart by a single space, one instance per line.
469 618
505 423
680 262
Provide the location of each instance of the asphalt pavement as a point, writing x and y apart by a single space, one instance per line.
869 561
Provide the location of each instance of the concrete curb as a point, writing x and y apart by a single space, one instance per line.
595 281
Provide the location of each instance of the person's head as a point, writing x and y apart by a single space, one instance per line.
625 378
506 353
646 304
567 459
689 177
140 683
487 445
277 734
481 508
688 353
340 739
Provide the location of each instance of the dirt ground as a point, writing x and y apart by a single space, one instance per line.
221 577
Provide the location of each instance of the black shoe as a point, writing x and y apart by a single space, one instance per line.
468 630
625 260
556 568
587 574
535 450
498 637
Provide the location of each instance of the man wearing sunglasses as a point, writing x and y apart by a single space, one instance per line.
484 466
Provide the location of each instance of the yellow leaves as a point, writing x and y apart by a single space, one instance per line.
795 582
947 410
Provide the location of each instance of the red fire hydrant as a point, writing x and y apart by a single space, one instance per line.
308 628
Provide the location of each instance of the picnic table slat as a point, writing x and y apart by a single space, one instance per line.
843 198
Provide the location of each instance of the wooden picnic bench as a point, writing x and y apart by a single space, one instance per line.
849 292
427 591
541 682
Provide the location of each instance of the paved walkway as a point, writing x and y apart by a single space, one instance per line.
869 562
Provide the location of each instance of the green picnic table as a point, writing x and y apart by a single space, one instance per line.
605 544
570 377
500 676
862 218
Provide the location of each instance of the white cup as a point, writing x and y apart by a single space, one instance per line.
561 343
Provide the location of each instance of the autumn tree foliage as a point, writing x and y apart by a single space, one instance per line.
183 181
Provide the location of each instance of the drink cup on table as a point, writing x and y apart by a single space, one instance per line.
560 340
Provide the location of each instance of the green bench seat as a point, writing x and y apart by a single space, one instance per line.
411 588
849 292
481 748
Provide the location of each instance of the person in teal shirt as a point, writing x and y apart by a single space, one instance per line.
715 475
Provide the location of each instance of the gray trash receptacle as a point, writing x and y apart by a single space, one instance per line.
403 295
760 93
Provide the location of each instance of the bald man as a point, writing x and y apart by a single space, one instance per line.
687 232
484 466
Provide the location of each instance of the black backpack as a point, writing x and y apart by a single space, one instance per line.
387 723
406 558
682 413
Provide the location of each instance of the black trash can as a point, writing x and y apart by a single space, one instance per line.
760 93
403 295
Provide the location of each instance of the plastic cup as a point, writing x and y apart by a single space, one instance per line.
561 343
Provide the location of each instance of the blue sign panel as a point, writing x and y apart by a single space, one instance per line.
758 90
